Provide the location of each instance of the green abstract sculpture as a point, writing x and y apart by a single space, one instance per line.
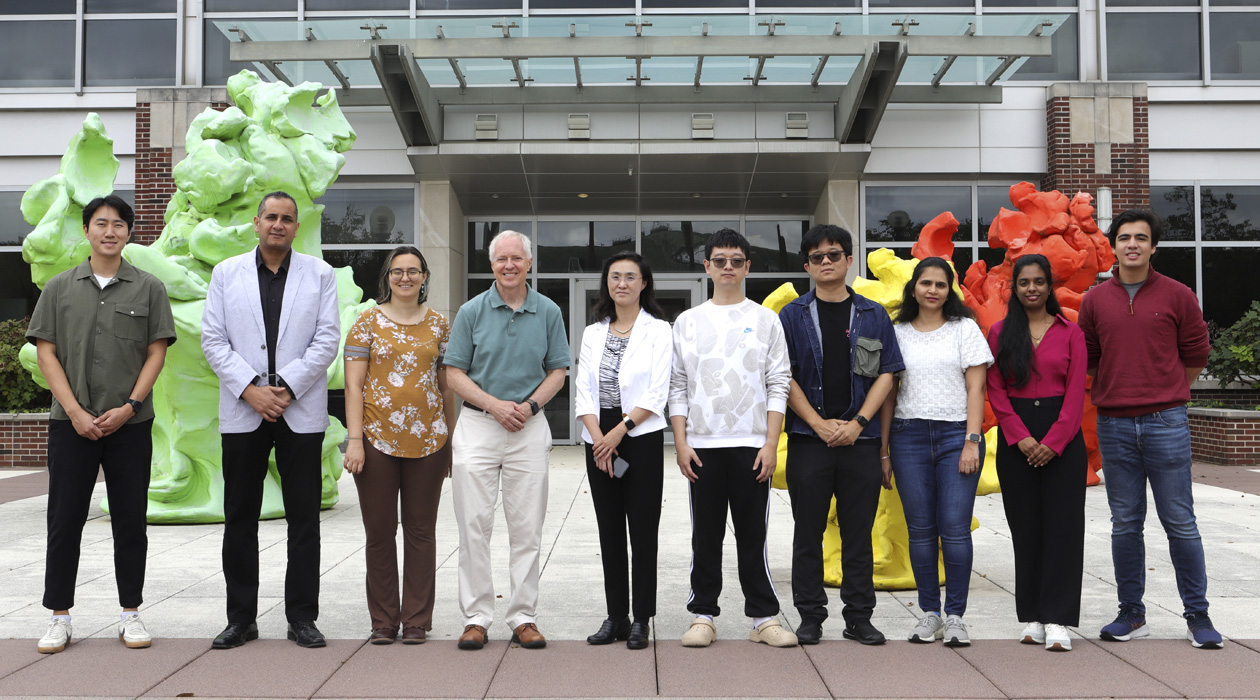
277 137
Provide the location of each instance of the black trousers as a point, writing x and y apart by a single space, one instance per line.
727 478
1045 508
245 457
125 455
852 475
634 500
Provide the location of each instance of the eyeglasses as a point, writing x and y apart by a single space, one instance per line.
720 263
829 256
398 273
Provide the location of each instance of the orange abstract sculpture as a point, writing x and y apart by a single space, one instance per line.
1048 223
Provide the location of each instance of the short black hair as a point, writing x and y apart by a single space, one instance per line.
726 238
1129 216
119 204
826 233
278 194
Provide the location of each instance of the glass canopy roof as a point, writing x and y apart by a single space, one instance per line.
298 56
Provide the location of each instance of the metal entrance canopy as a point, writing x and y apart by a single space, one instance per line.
859 63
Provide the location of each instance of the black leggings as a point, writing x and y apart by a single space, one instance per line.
633 500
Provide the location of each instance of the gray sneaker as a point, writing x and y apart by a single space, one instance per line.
956 632
929 629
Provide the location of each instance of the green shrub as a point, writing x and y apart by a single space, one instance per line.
18 392
1236 351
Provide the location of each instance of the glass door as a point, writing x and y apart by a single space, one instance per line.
674 295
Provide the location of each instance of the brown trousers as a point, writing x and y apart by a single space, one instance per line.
419 483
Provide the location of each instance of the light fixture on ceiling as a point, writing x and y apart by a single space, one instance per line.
783 195
582 195
695 195
494 196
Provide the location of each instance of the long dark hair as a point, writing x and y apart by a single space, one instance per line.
606 308
1015 349
384 293
954 307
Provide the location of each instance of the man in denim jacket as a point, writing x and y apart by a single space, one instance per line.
843 353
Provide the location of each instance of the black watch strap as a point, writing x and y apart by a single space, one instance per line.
135 405
533 405
861 419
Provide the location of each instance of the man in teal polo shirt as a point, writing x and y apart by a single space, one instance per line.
506 358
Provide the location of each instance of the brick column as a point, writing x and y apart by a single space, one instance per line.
1097 135
162 118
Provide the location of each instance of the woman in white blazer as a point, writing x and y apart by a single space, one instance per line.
622 390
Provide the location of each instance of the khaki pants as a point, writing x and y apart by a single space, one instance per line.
484 454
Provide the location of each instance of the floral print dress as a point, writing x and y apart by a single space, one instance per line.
402 405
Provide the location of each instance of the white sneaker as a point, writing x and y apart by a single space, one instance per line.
1057 638
772 633
929 629
1034 633
701 633
132 633
56 638
955 633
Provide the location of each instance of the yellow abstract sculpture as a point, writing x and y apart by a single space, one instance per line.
890 538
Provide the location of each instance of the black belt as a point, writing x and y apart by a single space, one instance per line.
475 408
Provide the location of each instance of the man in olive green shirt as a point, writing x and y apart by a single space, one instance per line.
101 331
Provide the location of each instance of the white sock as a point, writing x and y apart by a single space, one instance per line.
706 617
128 613
65 618
759 621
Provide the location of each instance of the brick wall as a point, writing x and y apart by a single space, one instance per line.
23 440
1234 398
1224 437
154 184
1072 164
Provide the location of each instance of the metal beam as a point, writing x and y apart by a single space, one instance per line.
643 47
1008 61
414 105
866 96
269 65
949 60
677 94
332 65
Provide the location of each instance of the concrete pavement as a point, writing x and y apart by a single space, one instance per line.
185 600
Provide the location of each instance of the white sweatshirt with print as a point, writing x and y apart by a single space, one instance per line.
730 368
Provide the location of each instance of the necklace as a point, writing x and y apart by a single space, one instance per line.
1037 338
615 328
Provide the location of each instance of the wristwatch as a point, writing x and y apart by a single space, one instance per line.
861 419
533 406
973 437
629 424
135 405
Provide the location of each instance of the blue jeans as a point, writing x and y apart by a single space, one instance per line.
938 501
1154 447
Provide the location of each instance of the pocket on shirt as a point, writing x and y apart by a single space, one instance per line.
131 322
866 361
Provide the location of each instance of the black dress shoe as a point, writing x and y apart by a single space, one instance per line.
235 635
306 634
864 632
638 637
810 632
611 631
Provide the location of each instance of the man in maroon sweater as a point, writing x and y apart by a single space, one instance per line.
1147 343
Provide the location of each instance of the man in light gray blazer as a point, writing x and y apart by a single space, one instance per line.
270 330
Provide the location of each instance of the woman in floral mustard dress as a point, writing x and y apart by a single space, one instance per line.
399 412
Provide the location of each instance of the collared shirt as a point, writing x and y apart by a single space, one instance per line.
508 352
271 291
1057 369
102 335
871 336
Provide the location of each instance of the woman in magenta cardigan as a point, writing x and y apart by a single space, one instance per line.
1037 391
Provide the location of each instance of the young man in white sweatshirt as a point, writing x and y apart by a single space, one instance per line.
728 393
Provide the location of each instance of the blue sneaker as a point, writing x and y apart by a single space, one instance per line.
1129 624
1201 633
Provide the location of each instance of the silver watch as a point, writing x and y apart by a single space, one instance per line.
973 437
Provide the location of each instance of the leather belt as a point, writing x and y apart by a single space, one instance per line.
475 408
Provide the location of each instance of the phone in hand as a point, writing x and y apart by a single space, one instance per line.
619 467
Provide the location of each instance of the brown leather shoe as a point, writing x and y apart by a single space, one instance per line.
383 635
414 635
528 636
474 637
